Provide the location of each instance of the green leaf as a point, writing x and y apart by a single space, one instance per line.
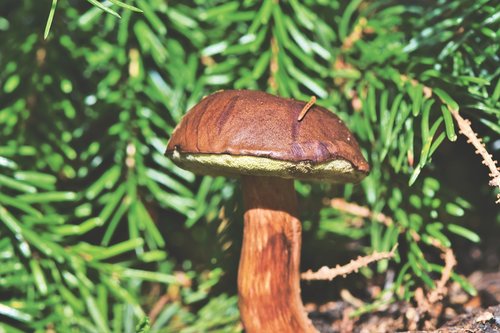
262 16
126 6
38 179
86 20
182 19
20 204
119 248
299 38
434 230
107 180
149 225
279 29
446 99
143 326
425 119
416 95
39 277
145 275
10 222
45 197
50 18
14 313
346 18
96 315
113 223
220 11
80 229
112 203
454 209
370 104
104 8
11 84
464 232
310 83
427 280
153 19
449 124
215 48
414 264
261 65
16 185
169 182
464 283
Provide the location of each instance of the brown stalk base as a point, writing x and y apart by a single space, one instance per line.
268 276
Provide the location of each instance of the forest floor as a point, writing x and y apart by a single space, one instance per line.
457 313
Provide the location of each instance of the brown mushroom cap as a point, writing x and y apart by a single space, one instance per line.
248 132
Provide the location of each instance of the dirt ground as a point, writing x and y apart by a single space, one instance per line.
456 313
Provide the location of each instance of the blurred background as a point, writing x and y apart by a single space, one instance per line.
99 230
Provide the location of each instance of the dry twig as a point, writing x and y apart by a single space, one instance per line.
466 129
327 273
356 34
347 323
430 303
158 307
449 262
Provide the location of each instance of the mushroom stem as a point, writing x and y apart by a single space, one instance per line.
268 276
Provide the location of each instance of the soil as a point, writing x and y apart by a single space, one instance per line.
456 313
487 321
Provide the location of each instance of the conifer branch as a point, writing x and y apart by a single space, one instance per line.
465 128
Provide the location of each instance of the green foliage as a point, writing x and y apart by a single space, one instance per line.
143 326
96 224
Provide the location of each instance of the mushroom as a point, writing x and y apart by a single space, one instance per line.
258 137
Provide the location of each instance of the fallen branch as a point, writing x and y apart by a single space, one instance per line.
327 273
466 129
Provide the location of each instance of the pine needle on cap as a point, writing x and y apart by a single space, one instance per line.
306 108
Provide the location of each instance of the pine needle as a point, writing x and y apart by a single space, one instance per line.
50 19
306 108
